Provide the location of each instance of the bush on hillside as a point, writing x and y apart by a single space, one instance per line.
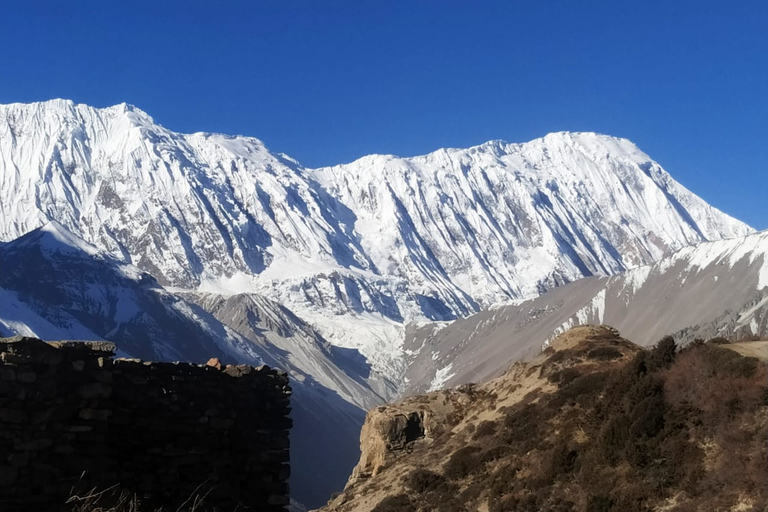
663 353
423 481
604 354
396 503
463 462
485 429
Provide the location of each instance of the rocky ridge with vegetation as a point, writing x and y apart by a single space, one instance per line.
594 423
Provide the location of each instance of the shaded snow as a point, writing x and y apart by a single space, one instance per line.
442 376
16 317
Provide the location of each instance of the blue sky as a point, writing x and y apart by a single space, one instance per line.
330 81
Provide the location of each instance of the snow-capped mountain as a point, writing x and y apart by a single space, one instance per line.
357 250
713 289
62 288
508 221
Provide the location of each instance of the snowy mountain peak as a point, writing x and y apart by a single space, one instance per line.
582 202
54 237
65 107
384 240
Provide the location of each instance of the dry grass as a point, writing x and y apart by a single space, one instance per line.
611 428
115 499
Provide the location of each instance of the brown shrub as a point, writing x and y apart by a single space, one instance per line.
647 417
472 492
683 465
558 356
521 427
462 463
516 503
484 429
564 377
663 353
716 381
494 453
502 481
631 496
396 503
581 389
614 437
423 481
599 503
604 354
561 460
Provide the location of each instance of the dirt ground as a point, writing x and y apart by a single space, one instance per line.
758 349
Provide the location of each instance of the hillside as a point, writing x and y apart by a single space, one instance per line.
714 289
595 423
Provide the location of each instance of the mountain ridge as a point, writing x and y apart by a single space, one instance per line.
727 280
358 250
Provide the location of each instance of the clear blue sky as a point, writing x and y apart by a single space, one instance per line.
329 81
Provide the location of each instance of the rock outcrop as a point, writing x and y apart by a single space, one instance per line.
593 423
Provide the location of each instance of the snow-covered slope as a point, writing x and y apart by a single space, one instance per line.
508 221
277 329
357 250
185 207
714 289
85 295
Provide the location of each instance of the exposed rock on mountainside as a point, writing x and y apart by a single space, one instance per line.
710 290
381 240
594 423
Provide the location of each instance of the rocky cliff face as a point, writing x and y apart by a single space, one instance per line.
593 423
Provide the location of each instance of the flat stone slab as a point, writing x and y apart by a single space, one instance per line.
25 349
106 347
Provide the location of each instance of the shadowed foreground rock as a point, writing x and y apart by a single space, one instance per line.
73 419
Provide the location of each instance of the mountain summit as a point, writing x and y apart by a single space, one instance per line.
506 220
385 240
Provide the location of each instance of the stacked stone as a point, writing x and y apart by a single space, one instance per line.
72 420
222 433
52 405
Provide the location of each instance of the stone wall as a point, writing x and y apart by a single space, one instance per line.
73 419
